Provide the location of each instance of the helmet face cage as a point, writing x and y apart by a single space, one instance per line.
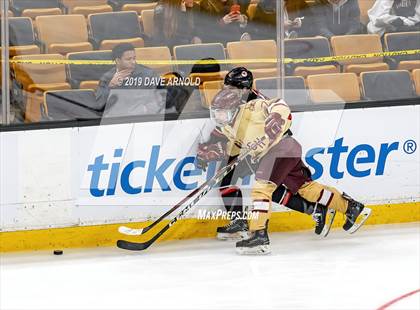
242 92
225 106
223 117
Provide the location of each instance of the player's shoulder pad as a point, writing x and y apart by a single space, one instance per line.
277 101
255 104
276 104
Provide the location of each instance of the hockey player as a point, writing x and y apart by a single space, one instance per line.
264 127
240 80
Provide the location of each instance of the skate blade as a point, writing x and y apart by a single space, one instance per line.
258 250
241 235
361 219
328 223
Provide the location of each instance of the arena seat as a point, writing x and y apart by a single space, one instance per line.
160 53
147 18
197 52
86 7
416 80
139 7
295 90
22 37
404 41
359 44
387 85
34 13
87 10
34 79
365 6
118 4
34 8
209 91
87 76
63 34
309 48
334 88
71 105
43 77
202 77
257 49
110 29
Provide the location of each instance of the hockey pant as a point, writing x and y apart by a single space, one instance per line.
232 194
283 165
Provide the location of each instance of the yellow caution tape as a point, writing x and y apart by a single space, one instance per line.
357 56
224 61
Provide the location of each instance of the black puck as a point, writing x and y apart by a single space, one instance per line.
58 252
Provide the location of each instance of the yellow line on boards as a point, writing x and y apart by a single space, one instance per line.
107 235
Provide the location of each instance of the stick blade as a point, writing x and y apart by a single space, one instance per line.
130 231
132 246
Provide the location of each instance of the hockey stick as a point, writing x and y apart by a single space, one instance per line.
136 232
199 193
220 175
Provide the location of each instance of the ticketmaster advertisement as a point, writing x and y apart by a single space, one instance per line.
137 171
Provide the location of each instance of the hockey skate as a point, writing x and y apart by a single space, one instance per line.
323 218
356 215
237 229
257 244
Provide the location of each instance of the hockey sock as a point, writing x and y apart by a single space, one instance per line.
232 199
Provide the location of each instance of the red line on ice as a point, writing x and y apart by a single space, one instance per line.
398 299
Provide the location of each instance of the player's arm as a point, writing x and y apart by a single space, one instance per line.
217 136
278 119
212 150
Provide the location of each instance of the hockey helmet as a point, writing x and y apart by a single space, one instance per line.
239 77
225 106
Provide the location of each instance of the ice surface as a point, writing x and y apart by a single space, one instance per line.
360 271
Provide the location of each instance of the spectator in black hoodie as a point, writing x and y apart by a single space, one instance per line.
223 20
175 23
336 17
298 20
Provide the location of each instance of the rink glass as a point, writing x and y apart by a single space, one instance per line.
56 61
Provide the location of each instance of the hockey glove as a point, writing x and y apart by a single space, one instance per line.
273 126
210 152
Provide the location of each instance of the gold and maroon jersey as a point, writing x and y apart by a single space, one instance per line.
247 129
